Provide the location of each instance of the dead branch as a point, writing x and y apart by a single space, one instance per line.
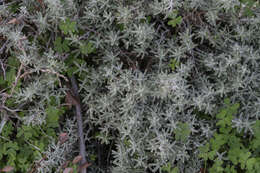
3 47
79 121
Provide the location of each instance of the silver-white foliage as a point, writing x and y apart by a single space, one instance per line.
132 94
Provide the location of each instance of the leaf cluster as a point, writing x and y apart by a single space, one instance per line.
228 150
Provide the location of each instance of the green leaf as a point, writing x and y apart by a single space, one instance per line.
71 71
174 63
14 7
53 114
225 117
72 26
67 26
19 132
217 167
13 62
243 157
248 12
127 142
174 19
230 169
167 167
222 114
182 132
255 143
233 109
149 18
10 102
65 46
212 154
93 157
225 130
1 151
58 45
250 163
256 129
120 26
204 152
175 22
10 76
86 48
7 130
12 145
2 81
233 155
218 141
233 141
175 170
50 132
227 101
27 135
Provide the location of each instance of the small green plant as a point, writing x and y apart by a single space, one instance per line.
86 48
174 63
175 19
61 46
228 150
168 168
21 145
68 26
248 7
29 143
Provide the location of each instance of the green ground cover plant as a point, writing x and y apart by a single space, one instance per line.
228 150
129 86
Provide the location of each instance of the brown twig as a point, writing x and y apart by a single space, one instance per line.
45 71
84 166
79 121
3 69
8 109
12 111
3 47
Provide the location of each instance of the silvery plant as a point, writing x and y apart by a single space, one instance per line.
135 100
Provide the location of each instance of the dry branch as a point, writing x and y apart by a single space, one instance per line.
79 121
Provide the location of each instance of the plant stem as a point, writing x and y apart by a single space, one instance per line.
79 122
